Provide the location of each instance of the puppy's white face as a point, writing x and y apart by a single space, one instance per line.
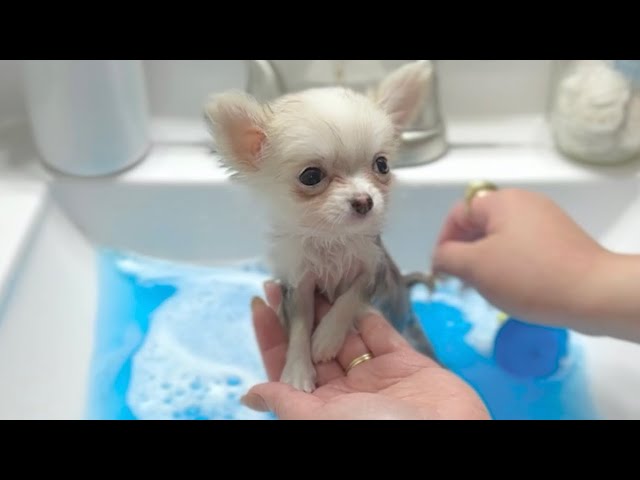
327 162
321 157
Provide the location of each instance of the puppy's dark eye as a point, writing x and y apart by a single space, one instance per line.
311 176
380 165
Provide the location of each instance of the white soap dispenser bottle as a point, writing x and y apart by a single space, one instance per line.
89 117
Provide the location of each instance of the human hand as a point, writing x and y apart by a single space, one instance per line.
398 383
528 257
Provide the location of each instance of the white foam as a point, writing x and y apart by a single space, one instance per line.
200 355
420 293
169 382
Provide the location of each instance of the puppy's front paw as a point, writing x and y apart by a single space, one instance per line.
327 341
300 374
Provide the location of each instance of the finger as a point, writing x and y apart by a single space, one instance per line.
457 258
379 336
459 246
353 348
283 400
273 293
271 338
327 372
461 225
375 335
456 226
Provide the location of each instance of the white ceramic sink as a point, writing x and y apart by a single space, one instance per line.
179 205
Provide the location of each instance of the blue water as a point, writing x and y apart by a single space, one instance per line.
561 395
175 341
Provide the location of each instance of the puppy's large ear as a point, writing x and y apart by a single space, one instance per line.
403 92
237 123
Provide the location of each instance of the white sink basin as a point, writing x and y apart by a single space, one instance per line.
178 205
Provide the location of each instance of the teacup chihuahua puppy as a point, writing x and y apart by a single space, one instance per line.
321 159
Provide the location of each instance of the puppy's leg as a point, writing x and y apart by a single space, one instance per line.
296 312
334 326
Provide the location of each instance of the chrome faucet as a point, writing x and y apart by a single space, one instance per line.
423 142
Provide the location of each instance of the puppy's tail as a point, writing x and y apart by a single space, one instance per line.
428 280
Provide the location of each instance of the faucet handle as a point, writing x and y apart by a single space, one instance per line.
263 81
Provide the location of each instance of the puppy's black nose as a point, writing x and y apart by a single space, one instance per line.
362 204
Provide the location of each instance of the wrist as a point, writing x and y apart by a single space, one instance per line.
610 303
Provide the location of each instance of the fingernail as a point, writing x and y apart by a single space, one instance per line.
372 311
268 284
257 302
254 402
368 314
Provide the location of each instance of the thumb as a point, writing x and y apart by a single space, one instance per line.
457 258
283 400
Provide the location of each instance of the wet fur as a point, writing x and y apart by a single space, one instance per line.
317 244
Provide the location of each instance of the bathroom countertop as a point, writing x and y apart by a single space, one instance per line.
508 151
515 149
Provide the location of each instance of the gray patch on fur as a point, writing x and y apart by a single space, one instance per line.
391 294
286 306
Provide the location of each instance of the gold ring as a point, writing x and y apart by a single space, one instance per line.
357 361
477 189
